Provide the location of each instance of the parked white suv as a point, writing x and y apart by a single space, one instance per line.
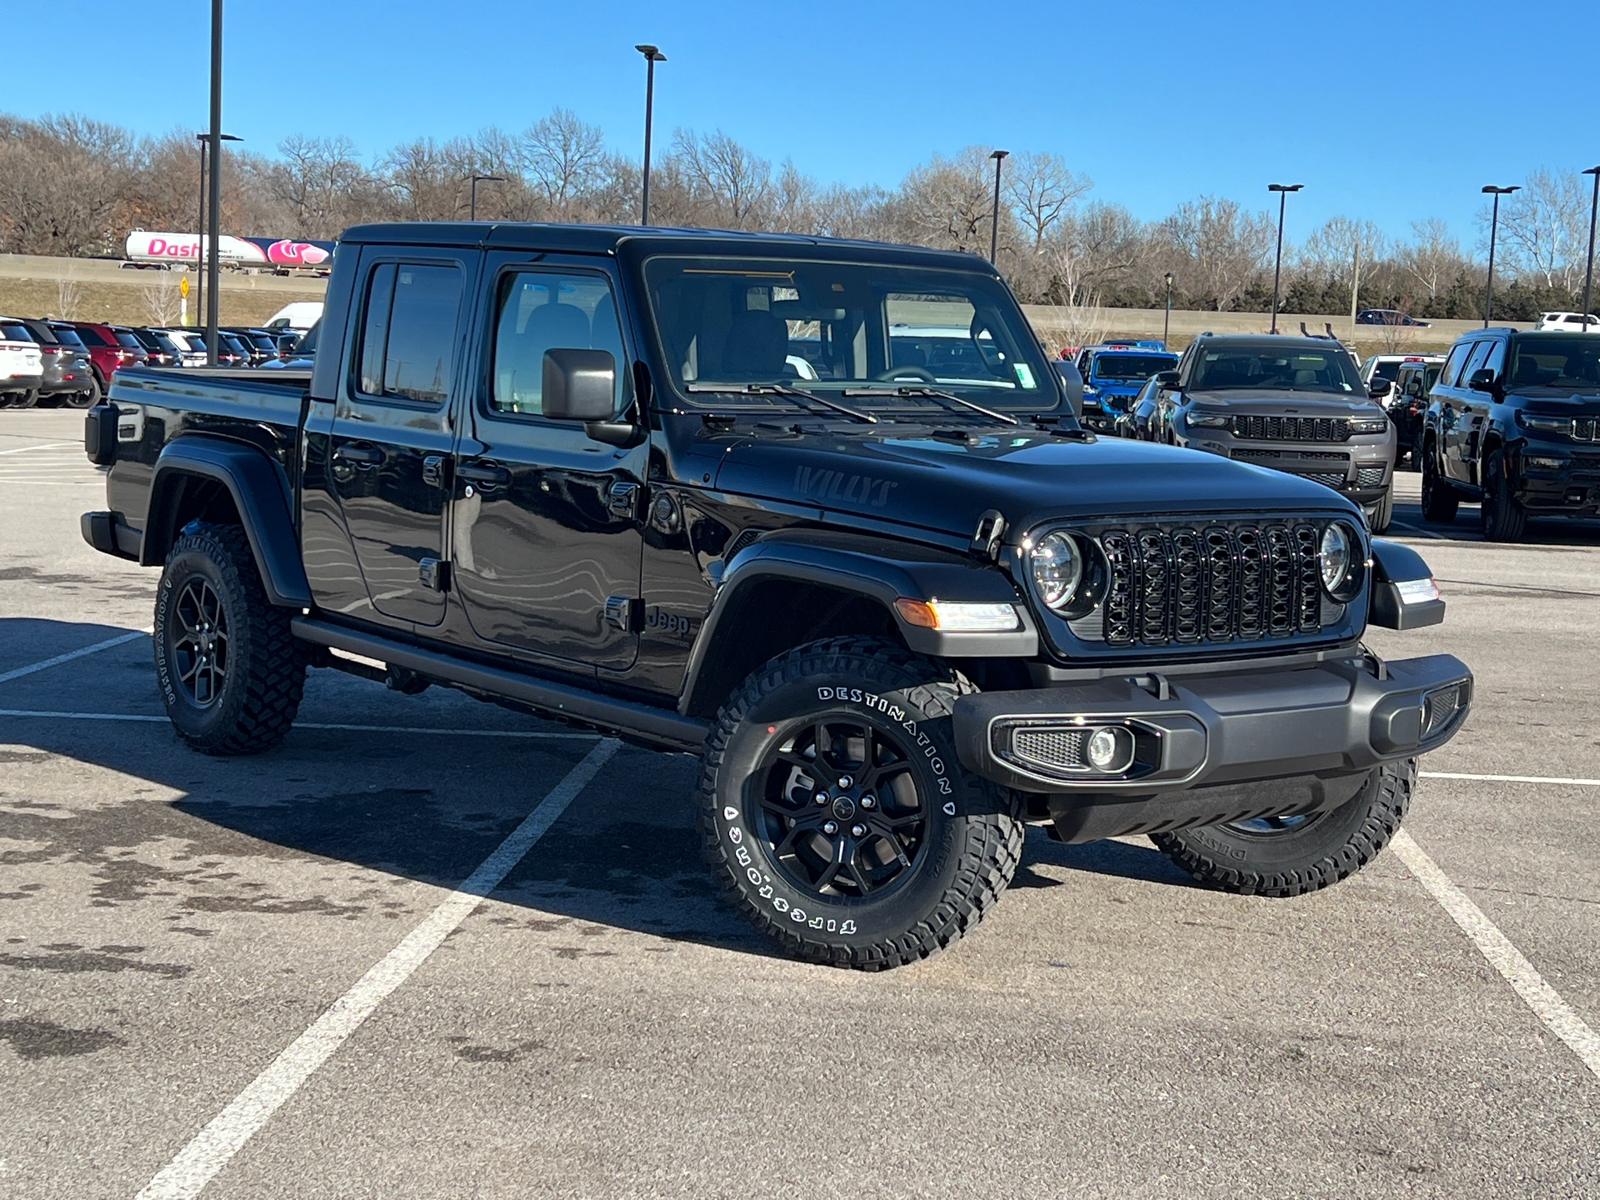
21 369
1571 322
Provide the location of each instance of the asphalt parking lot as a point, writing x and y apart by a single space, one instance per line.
188 947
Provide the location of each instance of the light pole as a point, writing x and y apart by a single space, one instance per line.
1494 228
1283 190
476 180
1588 273
200 227
652 55
1166 321
994 225
214 199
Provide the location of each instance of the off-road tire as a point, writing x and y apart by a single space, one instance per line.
1385 513
1306 858
1439 499
265 665
972 831
1502 518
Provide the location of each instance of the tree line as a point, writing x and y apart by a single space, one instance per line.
70 185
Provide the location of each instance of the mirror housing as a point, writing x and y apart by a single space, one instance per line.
1072 385
1166 379
579 385
1482 380
1378 388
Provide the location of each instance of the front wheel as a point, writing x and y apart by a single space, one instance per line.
1383 514
1503 519
1291 855
835 813
229 670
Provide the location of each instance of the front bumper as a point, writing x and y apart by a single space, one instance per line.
1215 747
1360 468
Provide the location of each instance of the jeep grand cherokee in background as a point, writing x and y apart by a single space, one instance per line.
897 607
1294 404
1514 422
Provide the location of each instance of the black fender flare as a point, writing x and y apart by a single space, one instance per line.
1394 563
882 570
261 495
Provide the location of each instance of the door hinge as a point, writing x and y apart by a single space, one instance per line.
625 613
434 574
624 499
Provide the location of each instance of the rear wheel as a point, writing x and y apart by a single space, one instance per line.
1439 499
1503 519
836 815
1291 855
87 399
24 399
229 670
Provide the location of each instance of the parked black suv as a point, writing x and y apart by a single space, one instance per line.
897 608
1294 404
1408 403
1514 422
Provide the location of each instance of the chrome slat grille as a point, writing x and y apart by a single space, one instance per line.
1292 429
1218 583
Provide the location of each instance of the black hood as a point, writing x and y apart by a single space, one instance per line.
912 477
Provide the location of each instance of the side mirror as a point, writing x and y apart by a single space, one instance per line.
1166 379
579 385
1378 388
1072 384
1482 380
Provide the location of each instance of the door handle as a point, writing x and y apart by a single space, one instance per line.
483 476
370 455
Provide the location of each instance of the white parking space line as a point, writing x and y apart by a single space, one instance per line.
19 672
538 734
1538 995
198 1162
1393 524
42 446
1509 778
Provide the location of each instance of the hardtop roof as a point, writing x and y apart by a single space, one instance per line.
602 239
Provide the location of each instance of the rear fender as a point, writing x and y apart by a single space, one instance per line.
261 496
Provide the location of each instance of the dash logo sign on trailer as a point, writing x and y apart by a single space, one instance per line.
143 246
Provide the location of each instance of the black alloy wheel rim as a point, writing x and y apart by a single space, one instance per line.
837 805
1266 827
200 642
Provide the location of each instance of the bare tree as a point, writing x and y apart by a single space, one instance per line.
1220 245
161 298
1041 190
1544 228
727 185
949 203
564 160
63 181
322 185
68 297
1433 256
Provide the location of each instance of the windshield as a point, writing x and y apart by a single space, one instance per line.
1235 368
1131 367
1557 360
829 326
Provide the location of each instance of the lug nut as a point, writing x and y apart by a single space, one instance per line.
845 781
822 797
858 831
830 828
869 802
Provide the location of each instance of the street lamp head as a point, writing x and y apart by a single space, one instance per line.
1490 188
1284 187
489 178
1592 171
999 154
651 53
227 137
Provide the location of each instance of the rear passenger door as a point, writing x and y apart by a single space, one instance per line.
1472 409
1448 419
390 442
547 537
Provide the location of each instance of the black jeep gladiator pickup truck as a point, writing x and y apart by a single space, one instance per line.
688 488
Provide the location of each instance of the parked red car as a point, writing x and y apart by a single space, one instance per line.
110 347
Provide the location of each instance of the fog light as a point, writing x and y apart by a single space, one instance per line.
1110 750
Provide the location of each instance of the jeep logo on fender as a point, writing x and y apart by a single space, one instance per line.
836 485
669 622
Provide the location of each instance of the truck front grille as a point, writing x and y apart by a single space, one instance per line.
1214 583
1292 429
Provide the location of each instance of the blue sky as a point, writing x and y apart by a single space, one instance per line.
1394 111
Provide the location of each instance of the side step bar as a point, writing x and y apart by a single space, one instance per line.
659 726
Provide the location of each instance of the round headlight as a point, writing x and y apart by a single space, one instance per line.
1337 560
1057 568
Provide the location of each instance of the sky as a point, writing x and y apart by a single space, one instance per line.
1394 111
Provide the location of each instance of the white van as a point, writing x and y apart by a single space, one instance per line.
299 316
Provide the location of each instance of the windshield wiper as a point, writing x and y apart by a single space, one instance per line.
778 389
931 394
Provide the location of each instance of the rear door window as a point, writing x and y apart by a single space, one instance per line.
92 337
15 333
1452 365
409 331
1475 361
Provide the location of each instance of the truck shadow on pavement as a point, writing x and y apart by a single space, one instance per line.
624 855
1541 532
